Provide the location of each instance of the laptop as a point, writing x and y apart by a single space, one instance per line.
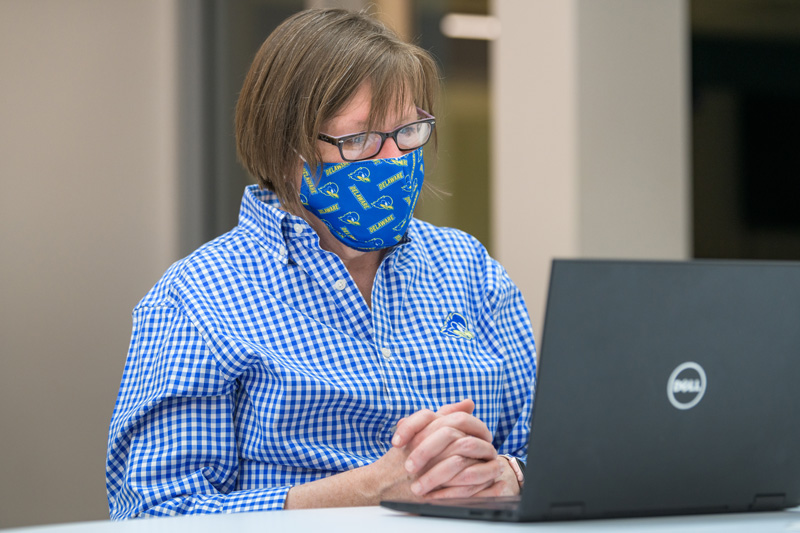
663 388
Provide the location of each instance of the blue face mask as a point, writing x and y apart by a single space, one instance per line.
368 204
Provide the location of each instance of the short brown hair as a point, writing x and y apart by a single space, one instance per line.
304 73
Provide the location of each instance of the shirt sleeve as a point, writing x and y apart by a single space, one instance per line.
172 442
510 315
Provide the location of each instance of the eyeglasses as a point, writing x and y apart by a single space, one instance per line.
367 144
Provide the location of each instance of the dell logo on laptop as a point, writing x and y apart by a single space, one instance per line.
686 385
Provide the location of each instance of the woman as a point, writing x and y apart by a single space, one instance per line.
330 350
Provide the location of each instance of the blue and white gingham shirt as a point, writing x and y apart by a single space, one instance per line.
256 365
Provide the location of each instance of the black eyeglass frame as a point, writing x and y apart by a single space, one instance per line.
339 141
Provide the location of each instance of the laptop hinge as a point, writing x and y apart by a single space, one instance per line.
566 510
766 502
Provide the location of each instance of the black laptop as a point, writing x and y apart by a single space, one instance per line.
663 388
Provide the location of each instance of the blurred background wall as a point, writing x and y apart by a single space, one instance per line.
568 128
88 158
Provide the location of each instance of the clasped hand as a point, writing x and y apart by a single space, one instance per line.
447 454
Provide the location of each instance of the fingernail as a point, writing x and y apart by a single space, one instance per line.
396 440
409 465
416 488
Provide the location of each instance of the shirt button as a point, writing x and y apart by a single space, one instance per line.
340 285
282 251
298 228
387 353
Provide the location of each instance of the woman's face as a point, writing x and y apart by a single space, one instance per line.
353 118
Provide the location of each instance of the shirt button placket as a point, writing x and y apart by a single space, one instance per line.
386 353
389 391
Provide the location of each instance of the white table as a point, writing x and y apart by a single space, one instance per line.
379 520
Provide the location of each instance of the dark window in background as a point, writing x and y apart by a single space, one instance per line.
218 43
771 160
461 170
746 128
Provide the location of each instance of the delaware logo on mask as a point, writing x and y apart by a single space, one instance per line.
368 204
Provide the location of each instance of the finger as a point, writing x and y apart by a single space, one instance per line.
425 446
481 472
471 447
465 406
477 473
460 492
499 488
422 418
443 443
440 474
411 426
464 422
457 471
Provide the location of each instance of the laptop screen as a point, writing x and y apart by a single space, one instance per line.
667 387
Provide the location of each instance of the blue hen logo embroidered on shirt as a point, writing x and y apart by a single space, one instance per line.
455 325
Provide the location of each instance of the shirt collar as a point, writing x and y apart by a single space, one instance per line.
278 231
260 213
